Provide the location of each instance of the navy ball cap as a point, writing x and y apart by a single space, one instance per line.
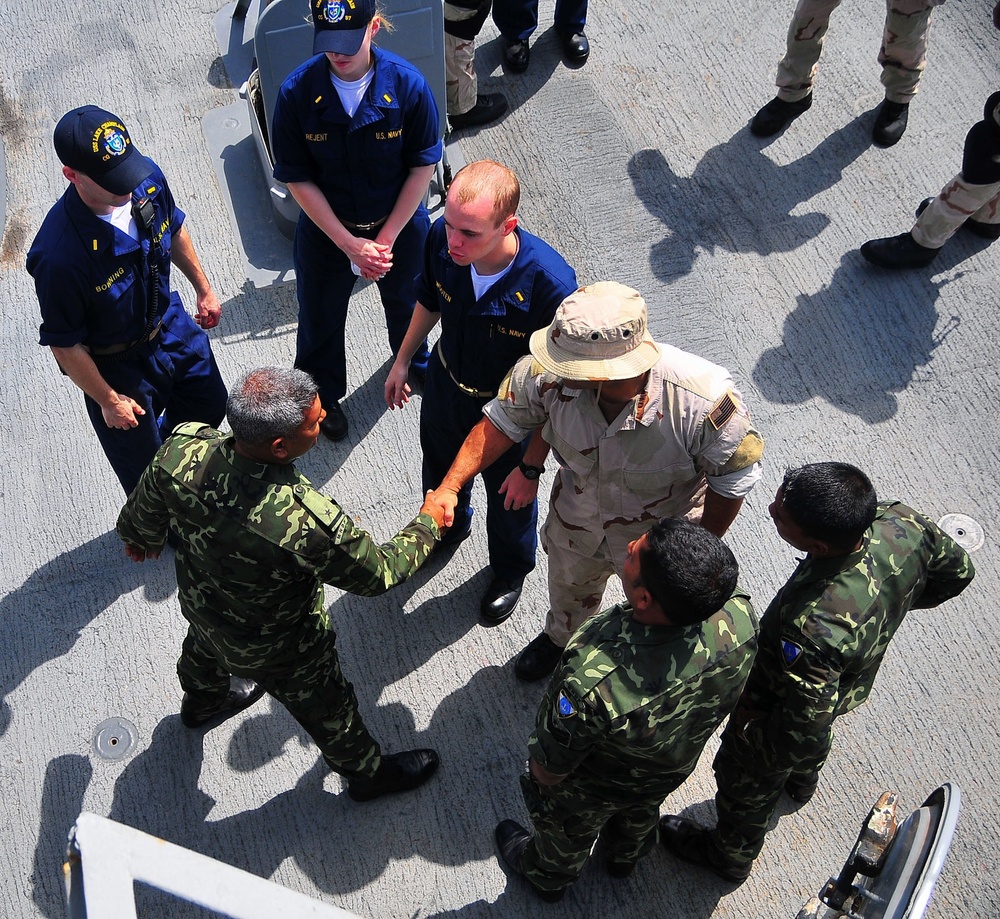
97 143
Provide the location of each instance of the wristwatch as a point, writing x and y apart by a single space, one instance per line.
530 472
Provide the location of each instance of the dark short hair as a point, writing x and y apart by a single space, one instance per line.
689 572
269 403
832 502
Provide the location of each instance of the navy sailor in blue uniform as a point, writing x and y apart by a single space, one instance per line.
356 140
490 284
101 264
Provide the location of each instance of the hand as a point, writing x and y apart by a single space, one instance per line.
435 510
518 491
741 718
445 501
397 390
138 554
209 310
373 260
121 412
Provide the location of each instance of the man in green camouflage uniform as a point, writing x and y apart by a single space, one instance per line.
821 643
256 544
638 692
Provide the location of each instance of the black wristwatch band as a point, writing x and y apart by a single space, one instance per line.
530 472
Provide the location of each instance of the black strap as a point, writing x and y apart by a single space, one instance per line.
152 250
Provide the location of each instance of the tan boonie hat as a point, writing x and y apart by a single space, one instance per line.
598 333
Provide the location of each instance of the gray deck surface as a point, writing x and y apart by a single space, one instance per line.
640 168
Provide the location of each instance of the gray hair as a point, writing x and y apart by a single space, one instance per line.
269 403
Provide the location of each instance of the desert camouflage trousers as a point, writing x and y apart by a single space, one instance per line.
461 82
958 201
748 792
315 692
902 53
577 578
567 820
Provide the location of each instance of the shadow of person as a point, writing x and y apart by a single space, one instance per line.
63 788
738 199
858 340
520 87
42 619
254 314
405 642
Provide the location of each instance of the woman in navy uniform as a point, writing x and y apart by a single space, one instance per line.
356 140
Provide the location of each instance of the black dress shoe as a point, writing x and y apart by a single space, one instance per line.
397 772
512 839
778 115
334 425
619 870
922 206
576 48
898 252
693 843
488 107
517 54
538 659
890 123
499 601
801 788
242 694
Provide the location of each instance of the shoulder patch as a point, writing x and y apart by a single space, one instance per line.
750 450
790 652
722 411
564 706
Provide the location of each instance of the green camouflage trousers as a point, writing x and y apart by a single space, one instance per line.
902 53
567 821
748 793
315 692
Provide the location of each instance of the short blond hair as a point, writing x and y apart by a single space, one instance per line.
490 179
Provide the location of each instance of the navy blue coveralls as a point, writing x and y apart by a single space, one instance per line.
360 165
93 286
517 19
480 341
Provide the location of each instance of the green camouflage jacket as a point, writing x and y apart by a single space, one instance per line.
824 635
631 706
257 544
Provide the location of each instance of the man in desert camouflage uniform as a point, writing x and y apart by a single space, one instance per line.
902 56
639 690
821 643
640 431
257 542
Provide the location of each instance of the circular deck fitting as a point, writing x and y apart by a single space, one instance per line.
964 530
114 738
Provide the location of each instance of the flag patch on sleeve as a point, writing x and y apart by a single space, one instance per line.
564 706
722 411
790 652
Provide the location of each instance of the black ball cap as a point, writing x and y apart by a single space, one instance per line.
97 143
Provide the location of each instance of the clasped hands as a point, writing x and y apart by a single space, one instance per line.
374 259
439 504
